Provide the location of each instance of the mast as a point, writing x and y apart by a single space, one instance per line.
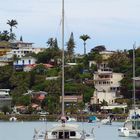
63 113
134 87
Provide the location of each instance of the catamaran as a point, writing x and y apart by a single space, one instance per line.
131 126
64 130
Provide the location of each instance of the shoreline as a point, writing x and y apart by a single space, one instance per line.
55 117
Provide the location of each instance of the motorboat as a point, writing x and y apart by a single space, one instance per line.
92 119
12 119
64 132
106 121
71 119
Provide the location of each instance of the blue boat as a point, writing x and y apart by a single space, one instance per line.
92 119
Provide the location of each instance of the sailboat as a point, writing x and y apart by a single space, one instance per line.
64 130
131 126
107 121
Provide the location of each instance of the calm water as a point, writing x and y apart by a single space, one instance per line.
25 130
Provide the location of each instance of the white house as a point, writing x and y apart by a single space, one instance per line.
107 85
21 63
106 82
20 49
25 61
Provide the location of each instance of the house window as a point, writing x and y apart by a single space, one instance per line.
72 133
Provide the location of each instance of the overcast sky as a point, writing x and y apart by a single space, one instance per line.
113 23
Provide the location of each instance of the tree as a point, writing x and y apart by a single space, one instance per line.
120 62
24 100
12 23
12 36
52 103
98 58
50 42
48 55
84 38
104 103
4 36
99 48
72 108
55 43
70 47
5 109
5 74
21 38
40 69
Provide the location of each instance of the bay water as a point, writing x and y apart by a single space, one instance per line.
25 130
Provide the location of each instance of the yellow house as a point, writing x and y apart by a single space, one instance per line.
4 47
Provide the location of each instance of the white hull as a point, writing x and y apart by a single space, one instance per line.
125 132
106 122
13 119
63 132
71 119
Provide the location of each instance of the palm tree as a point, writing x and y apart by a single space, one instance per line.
84 38
50 42
12 23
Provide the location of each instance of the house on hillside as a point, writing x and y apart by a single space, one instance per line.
21 48
37 67
106 54
107 85
38 96
15 48
106 82
19 64
5 99
4 49
72 98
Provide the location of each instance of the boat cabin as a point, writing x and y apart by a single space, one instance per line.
64 132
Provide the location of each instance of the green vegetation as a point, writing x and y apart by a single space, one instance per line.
76 76
5 35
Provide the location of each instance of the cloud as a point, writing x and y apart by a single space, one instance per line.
109 22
